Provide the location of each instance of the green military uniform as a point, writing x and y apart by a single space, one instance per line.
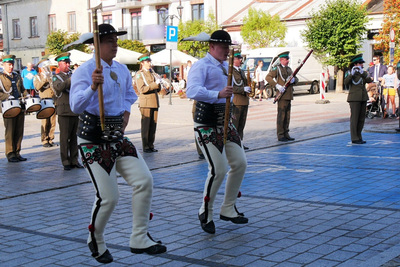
279 75
356 78
43 85
240 98
11 85
67 120
148 103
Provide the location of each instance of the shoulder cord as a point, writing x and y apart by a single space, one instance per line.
4 89
356 83
51 85
234 81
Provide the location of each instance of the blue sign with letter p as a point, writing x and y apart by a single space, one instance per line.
172 34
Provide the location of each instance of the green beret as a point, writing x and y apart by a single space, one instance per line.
145 56
8 58
357 59
63 57
284 54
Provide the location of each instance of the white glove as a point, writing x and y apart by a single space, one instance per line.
158 81
361 71
354 70
293 80
11 97
247 89
280 88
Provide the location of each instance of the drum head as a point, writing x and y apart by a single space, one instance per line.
12 112
45 113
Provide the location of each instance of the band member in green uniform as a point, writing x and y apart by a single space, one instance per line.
67 120
356 78
240 96
11 87
148 86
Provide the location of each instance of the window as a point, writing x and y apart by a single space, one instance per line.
107 19
35 60
136 21
198 12
52 23
16 29
71 22
18 64
33 26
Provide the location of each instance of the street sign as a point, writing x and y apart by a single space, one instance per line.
172 34
391 34
171 45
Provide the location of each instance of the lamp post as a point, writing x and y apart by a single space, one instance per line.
171 17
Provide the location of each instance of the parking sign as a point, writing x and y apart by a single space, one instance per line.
172 34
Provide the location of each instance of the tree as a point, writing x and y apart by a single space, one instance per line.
57 40
335 32
191 28
135 45
391 9
260 29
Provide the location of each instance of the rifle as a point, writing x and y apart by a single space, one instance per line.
280 94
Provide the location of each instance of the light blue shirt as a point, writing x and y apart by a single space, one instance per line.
205 79
118 95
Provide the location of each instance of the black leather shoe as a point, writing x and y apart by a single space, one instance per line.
67 168
77 165
106 257
155 249
290 138
147 150
245 148
283 139
47 145
20 158
207 227
201 156
13 159
358 142
153 150
237 220
363 142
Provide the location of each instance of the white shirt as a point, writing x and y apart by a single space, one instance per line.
118 95
206 78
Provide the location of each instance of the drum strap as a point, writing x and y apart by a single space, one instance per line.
14 92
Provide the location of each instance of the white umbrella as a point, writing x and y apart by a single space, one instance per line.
162 58
125 56
79 57
201 37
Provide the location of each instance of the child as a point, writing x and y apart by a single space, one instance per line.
389 81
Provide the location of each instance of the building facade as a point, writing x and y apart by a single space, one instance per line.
27 23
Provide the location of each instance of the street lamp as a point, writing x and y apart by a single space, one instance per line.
163 11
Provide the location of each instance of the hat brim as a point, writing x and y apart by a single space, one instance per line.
90 41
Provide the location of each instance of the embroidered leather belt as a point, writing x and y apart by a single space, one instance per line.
209 114
89 128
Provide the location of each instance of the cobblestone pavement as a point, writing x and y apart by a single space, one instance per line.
317 201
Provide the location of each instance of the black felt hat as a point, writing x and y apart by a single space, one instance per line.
105 29
221 36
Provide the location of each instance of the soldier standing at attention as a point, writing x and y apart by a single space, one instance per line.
11 87
356 78
67 120
277 78
240 96
148 86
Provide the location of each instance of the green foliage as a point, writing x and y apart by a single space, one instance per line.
260 29
335 31
135 45
192 28
58 39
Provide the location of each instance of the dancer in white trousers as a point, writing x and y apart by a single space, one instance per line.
207 84
108 152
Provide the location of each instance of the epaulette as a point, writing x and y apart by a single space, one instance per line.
347 73
137 75
274 68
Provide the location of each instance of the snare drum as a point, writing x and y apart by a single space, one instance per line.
11 108
47 109
33 104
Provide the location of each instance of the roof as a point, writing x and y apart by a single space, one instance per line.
290 9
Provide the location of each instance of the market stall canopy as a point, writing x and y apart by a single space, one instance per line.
79 57
162 58
125 56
